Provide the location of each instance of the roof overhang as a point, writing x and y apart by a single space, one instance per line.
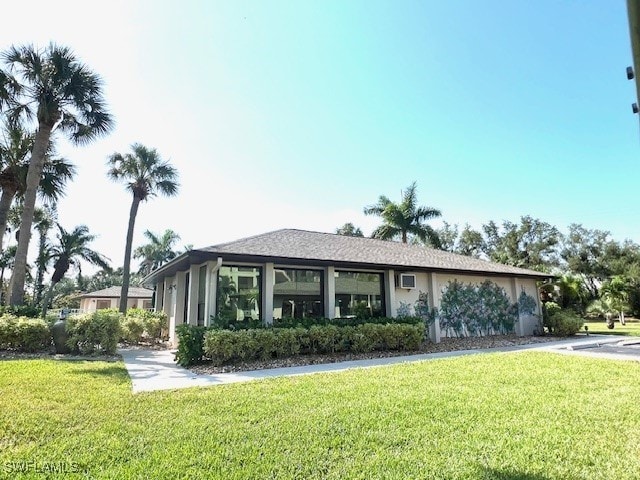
633 12
196 257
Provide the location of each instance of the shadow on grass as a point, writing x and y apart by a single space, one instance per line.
110 371
496 474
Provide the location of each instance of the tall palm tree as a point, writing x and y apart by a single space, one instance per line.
70 249
158 251
14 166
6 261
404 218
145 175
45 219
61 94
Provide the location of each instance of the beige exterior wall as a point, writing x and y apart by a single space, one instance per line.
429 282
410 296
90 304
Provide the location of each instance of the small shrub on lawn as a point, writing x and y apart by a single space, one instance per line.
96 332
564 322
24 334
190 344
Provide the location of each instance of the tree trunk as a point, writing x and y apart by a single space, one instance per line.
404 236
47 300
41 268
36 164
622 320
127 254
6 199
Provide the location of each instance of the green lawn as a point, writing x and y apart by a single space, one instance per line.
632 328
527 416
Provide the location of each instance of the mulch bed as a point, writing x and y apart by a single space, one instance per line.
446 345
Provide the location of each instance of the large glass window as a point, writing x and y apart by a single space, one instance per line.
239 293
298 294
359 294
202 293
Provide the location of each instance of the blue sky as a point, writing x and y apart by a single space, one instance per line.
298 114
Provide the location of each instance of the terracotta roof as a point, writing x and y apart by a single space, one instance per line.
328 247
114 292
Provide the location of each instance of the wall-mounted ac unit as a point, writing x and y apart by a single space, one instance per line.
407 280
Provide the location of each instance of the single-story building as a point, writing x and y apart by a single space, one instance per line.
298 273
137 297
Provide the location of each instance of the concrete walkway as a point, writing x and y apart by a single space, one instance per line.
152 370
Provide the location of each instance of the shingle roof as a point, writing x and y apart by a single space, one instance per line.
114 292
328 247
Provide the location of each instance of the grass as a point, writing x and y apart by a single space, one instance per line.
631 328
527 416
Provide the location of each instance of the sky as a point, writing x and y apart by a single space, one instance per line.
289 114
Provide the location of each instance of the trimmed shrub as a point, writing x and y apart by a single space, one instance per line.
226 346
132 329
190 344
323 339
24 334
95 332
139 325
565 323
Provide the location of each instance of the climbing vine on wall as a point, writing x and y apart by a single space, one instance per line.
526 304
476 310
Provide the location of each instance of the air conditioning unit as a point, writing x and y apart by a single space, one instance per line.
407 280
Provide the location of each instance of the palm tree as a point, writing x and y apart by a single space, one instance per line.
62 94
145 175
71 248
14 166
616 292
158 251
406 217
6 261
45 219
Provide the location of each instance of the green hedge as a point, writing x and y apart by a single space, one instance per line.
141 325
226 346
24 334
96 332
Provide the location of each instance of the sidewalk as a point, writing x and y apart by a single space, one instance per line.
152 370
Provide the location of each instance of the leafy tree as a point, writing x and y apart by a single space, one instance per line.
349 230
471 243
530 244
145 175
404 218
158 251
447 237
583 253
53 87
71 248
